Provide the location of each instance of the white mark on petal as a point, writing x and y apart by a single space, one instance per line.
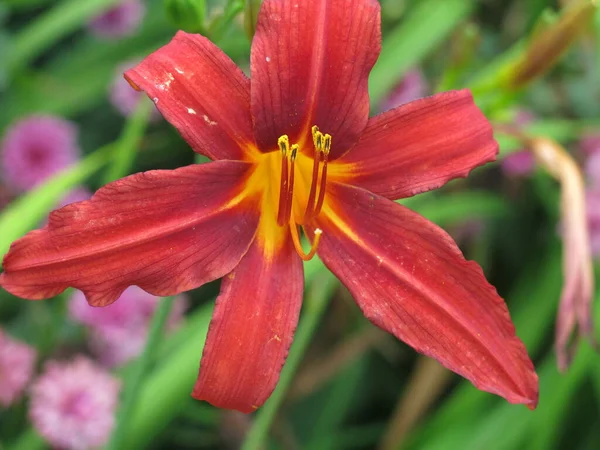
155 99
179 71
268 59
166 84
208 121
191 111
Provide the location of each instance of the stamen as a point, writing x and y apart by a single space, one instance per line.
322 144
290 192
323 184
296 240
315 132
313 187
284 144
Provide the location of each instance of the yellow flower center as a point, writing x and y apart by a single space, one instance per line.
293 185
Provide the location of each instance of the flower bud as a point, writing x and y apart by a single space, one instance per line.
550 42
187 15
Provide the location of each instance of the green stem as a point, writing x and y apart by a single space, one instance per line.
129 141
315 305
46 30
135 379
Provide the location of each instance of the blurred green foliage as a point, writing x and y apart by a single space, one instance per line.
50 64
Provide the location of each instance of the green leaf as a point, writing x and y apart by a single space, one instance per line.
165 390
458 207
27 212
426 26
46 30
314 307
533 308
136 376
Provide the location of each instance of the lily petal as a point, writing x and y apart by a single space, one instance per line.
165 231
251 329
419 146
201 92
410 279
310 63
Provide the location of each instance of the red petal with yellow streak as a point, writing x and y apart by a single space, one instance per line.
165 231
410 279
201 92
310 63
419 146
251 329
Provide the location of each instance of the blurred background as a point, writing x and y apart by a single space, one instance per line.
69 123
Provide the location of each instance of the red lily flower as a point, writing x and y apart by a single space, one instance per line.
293 146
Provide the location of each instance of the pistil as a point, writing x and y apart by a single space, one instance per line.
296 240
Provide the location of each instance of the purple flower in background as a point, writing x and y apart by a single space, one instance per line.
125 99
119 21
591 147
73 404
411 87
592 169
36 148
17 361
590 143
5 196
78 194
119 330
593 215
519 163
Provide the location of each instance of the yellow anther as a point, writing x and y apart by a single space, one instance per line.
315 131
295 148
327 144
284 144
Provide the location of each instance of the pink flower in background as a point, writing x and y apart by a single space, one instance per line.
17 361
119 331
5 196
590 143
520 163
411 87
591 148
592 169
78 194
36 148
125 99
119 21
593 215
73 404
